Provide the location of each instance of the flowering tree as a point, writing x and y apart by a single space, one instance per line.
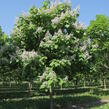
63 46
54 32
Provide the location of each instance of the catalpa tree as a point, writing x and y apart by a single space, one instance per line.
53 32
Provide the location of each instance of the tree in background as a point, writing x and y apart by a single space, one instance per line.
8 58
98 31
33 66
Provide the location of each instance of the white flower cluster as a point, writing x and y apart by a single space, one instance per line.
88 41
26 55
68 36
79 25
52 3
48 43
60 32
66 79
49 74
43 76
95 46
67 1
47 34
39 30
86 55
73 13
56 20
84 47
16 30
76 11
52 7
25 14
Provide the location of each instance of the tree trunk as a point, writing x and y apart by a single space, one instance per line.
3 79
61 86
76 83
30 87
104 84
51 97
101 83
84 83
10 84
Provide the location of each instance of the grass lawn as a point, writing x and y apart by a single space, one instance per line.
105 106
72 99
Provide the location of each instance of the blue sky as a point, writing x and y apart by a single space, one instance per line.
10 9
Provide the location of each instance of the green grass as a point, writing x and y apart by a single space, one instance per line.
105 106
86 98
42 102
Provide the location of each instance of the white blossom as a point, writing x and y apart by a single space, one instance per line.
47 35
25 14
89 41
86 55
84 47
56 2
56 20
39 29
79 25
26 55
95 46
68 36
49 41
64 15
66 79
52 75
44 84
75 12
59 32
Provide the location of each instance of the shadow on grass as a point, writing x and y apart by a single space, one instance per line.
10 93
71 91
100 92
60 102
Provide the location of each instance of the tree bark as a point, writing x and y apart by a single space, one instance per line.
84 83
76 83
30 87
10 84
104 84
51 97
61 86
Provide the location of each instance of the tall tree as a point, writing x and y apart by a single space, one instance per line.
98 31
8 57
53 32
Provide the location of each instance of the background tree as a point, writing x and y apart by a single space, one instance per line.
33 66
8 58
98 31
